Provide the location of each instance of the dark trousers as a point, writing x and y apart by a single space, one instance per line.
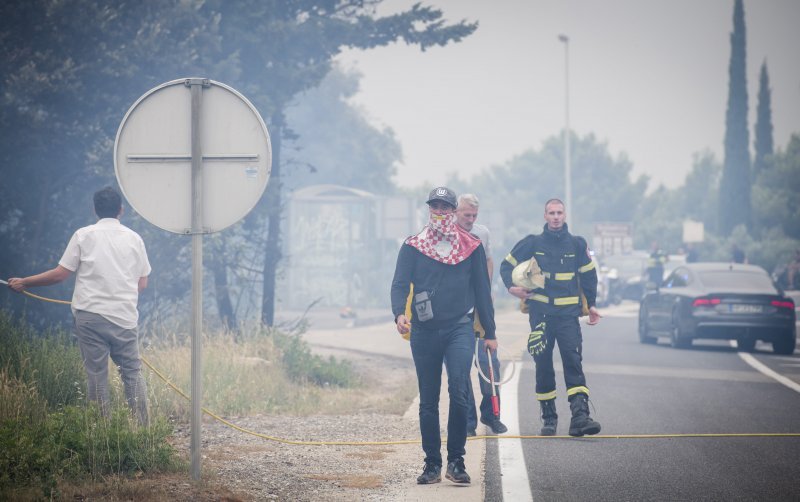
566 332
486 388
430 348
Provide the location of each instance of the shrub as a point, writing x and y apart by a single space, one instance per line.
50 359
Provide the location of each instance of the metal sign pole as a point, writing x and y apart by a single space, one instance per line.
196 86
155 146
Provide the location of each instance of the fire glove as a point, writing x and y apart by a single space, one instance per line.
537 342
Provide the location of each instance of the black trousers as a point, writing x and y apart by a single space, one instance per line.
546 332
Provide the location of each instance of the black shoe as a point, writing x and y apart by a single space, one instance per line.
456 472
549 417
431 474
472 433
581 424
495 424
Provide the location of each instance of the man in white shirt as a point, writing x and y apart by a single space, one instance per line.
111 267
466 214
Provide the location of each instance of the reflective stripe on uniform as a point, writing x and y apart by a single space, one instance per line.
559 276
546 396
589 266
567 300
578 390
510 259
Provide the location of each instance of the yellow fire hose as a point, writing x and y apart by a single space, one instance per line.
417 441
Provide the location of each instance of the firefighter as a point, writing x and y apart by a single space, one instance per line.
569 274
655 264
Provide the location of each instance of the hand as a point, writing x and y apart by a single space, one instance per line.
490 344
594 316
519 292
403 326
17 284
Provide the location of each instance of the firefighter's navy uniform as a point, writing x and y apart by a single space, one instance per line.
554 310
655 266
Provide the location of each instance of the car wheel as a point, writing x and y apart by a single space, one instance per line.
676 338
786 344
644 331
745 344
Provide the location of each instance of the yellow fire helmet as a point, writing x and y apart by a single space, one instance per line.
528 275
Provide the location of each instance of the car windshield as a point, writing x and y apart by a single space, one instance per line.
733 280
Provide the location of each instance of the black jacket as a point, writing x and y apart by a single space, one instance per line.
563 258
454 289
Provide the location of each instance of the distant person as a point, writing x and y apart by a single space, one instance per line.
111 267
553 311
446 267
738 255
655 264
792 270
466 214
692 256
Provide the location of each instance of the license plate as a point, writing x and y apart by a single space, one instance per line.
746 309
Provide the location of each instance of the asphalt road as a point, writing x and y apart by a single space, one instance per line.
645 389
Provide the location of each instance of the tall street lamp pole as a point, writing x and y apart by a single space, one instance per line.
567 166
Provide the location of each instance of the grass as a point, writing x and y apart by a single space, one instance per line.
262 371
49 434
52 442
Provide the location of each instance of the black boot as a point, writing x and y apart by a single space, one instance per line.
581 424
549 417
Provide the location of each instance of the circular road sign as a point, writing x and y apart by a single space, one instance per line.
153 156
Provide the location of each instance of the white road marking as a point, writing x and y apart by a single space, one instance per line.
513 472
759 366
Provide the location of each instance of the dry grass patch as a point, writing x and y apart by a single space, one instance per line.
350 480
155 488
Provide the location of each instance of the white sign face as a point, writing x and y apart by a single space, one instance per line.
153 156
693 231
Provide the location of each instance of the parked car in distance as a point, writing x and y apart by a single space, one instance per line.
625 268
631 272
719 301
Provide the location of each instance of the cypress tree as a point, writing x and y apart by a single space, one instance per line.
734 196
763 130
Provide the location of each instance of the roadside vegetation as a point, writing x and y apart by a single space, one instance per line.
51 440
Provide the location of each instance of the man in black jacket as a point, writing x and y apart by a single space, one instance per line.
569 273
443 270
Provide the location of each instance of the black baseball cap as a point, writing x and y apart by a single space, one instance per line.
443 194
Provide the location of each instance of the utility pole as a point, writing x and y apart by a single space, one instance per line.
567 167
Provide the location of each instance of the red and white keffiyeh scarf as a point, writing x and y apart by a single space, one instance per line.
444 241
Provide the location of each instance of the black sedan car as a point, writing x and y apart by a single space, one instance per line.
722 301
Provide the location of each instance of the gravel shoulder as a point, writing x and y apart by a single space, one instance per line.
239 466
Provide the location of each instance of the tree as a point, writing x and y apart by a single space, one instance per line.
72 68
763 129
70 71
734 197
602 188
290 46
776 194
700 191
335 142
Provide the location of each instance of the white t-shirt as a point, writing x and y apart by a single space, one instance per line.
482 233
108 259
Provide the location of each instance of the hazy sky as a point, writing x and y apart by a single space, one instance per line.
648 77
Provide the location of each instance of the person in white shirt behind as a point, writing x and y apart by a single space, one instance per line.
111 267
466 214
